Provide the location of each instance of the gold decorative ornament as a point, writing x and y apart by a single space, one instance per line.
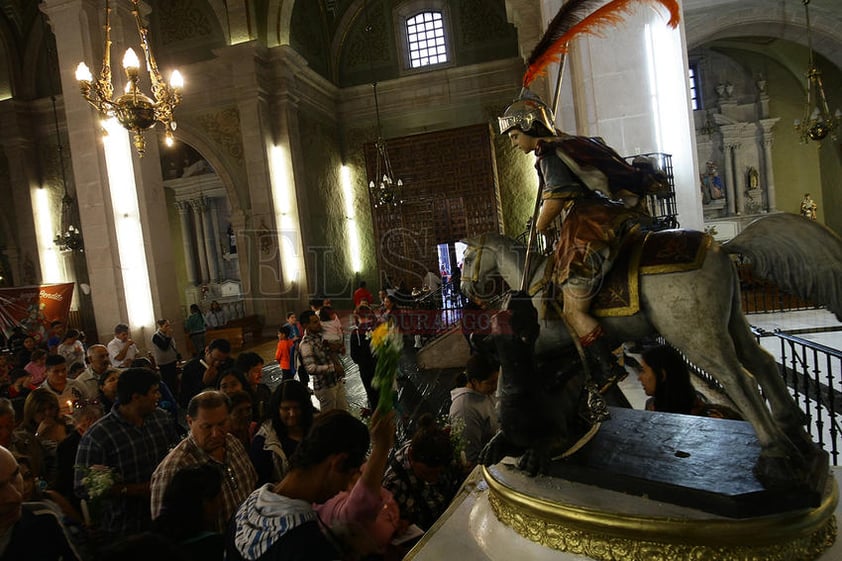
135 111
606 535
817 121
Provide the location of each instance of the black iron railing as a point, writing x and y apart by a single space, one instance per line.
813 372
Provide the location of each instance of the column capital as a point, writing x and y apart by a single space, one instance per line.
199 204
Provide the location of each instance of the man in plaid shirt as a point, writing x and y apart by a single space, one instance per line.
130 440
209 443
321 364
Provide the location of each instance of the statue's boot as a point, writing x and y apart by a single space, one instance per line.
598 348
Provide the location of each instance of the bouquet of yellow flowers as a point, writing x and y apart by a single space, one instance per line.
386 345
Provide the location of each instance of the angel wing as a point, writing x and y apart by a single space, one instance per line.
800 256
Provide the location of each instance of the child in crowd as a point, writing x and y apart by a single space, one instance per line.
71 349
332 331
283 353
37 367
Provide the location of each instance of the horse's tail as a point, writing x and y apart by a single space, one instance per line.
800 256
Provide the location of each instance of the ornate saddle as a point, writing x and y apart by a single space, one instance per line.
649 253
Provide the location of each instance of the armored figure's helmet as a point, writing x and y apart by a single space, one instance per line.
529 114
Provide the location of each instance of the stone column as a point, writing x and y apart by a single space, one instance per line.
189 255
209 240
20 157
739 182
217 245
768 173
614 99
77 27
728 176
198 210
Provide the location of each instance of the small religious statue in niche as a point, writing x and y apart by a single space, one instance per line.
808 207
712 187
752 179
232 240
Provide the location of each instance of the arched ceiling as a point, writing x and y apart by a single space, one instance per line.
711 20
706 21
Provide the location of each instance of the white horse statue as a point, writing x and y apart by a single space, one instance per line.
698 311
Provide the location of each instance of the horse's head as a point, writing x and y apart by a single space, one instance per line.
488 255
476 266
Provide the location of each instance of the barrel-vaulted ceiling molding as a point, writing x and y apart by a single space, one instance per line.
204 25
711 20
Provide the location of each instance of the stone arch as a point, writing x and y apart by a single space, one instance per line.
9 48
208 150
219 9
278 21
31 68
736 22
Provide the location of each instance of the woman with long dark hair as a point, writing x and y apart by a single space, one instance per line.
290 416
666 380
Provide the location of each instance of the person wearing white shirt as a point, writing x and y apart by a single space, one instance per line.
121 349
215 318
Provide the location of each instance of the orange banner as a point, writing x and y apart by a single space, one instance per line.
34 307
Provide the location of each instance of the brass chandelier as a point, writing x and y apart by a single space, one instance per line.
135 111
817 122
385 188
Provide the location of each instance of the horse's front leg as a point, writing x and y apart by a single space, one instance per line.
498 448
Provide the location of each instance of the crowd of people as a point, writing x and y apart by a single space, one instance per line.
202 459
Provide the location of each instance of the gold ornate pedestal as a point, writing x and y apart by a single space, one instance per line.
607 526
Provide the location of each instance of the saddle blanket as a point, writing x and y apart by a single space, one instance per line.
668 251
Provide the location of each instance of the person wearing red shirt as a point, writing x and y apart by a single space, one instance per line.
362 294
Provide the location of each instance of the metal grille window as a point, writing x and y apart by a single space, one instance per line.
425 36
695 97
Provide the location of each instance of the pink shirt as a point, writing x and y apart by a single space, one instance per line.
38 373
379 514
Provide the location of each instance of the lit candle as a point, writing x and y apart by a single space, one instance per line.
83 73
176 80
86 515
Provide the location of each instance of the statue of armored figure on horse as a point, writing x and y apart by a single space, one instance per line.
608 281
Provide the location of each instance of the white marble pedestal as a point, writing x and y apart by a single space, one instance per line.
470 529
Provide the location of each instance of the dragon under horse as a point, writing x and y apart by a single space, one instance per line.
697 310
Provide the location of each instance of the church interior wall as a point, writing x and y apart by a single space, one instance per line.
798 168
239 90
327 256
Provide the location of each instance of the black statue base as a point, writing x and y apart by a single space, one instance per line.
697 462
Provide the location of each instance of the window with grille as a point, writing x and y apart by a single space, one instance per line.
425 39
695 89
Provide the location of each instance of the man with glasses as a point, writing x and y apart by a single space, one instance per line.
209 443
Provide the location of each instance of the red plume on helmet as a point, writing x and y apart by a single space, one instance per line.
583 16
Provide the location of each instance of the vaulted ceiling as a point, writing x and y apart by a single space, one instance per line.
327 32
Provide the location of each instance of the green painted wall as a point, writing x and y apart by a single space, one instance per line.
328 260
799 168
